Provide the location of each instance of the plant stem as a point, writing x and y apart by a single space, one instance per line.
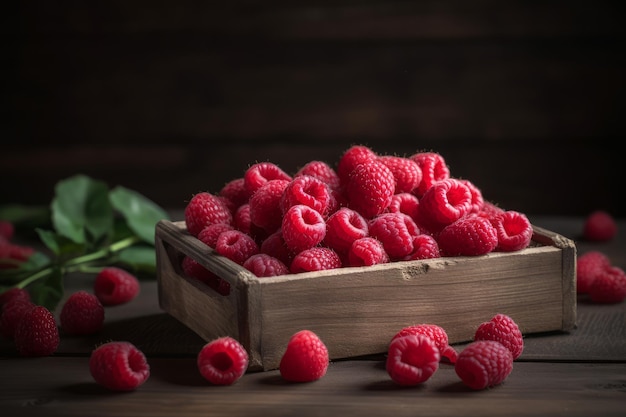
79 263
34 277
103 253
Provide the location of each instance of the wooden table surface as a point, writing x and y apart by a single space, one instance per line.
579 373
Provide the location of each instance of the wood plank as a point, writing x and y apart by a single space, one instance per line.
600 333
63 387
356 311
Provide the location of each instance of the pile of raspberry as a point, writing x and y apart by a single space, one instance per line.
368 209
414 353
36 331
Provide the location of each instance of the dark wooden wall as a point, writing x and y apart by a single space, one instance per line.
524 98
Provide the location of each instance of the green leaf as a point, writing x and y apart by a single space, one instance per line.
140 213
81 210
59 245
48 292
139 258
50 239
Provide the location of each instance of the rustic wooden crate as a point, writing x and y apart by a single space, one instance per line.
356 311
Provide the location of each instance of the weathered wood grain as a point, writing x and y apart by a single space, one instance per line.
576 373
356 311
63 387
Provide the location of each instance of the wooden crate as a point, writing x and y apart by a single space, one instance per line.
356 311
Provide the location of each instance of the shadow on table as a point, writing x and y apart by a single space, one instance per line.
155 335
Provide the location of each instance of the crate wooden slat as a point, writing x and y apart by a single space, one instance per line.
356 311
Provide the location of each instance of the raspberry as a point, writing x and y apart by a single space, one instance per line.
261 173
406 203
308 191
235 191
343 227
114 286
305 358
302 228
599 226
36 334
338 199
242 220
514 231
204 209
209 234
396 232
264 265
609 286
424 247
370 188
12 255
502 328
483 364
219 285
406 172
490 210
236 246
119 366
81 314
227 203
265 207
12 294
222 361
435 332
412 359
20 253
450 354
477 196
195 270
351 158
588 266
323 172
315 259
275 246
434 169
367 251
469 236
12 312
444 203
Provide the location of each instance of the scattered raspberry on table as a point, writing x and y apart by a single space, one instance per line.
119 366
12 313
115 286
484 364
600 226
81 314
588 266
502 328
305 358
436 333
36 333
222 361
412 359
599 279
